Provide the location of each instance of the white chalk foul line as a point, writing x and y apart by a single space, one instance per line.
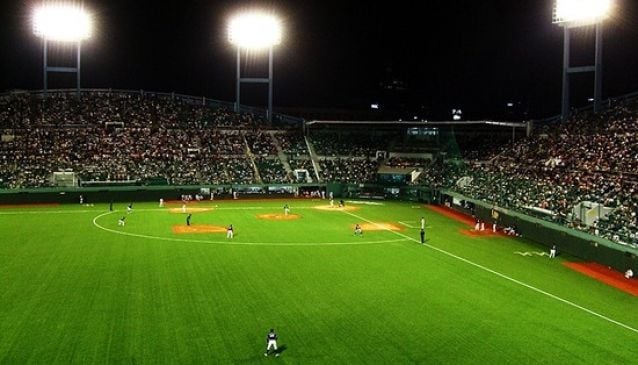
565 301
531 253
235 242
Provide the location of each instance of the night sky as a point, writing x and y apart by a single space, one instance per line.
475 55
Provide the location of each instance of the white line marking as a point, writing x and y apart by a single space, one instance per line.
234 242
531 253
506 277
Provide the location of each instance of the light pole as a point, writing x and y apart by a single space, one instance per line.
254 31
571 14
66 24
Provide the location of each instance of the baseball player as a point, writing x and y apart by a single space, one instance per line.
358 231
271 342
229 232
161 204
188 219
286 209
121 221
129 209
552 252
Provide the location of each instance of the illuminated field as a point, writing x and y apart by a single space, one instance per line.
78 288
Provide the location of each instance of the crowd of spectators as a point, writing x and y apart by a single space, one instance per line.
131 110
293 145
349 170
261 144
121 137
272 170
353 145
588 158
407 162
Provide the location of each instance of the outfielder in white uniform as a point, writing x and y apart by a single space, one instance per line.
271 342
161 205
229 232
121 221
552 252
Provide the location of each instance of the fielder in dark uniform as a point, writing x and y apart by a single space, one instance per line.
188 219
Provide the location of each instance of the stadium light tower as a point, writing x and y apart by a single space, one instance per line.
571 14
60 23
255 31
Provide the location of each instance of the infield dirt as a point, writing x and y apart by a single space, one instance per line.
198 228
347 208
381 226
279 217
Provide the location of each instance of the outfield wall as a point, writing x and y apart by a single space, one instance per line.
573 242
98 195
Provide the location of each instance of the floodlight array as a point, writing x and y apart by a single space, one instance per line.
581 11
255 30
62 23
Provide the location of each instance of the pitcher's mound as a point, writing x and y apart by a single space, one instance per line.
198 228
190 210
378 227
347 208
278 217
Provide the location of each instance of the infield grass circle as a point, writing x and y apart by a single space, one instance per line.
99 222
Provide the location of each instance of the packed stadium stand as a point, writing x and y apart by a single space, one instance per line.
589 158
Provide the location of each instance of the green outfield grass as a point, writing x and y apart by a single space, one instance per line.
76 288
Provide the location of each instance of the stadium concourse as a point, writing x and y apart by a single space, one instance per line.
150 139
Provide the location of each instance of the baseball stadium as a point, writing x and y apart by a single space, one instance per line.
154 227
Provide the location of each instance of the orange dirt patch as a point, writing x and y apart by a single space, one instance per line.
347 208
605 275
381 226
198 228
190 210
279 217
